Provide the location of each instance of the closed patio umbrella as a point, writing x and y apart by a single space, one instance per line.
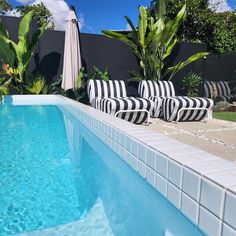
72 55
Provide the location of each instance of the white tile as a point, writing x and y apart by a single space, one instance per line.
142 169
141 154
230 209
233 171
185 158
162 165
151 158
150 176
178 150
223 178
223 164
209 223
212 197
175 173
161 184
191 183
228 231
202 167
133 161
190 208
232 189
174 195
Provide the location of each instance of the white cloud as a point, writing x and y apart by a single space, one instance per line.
219 5
128 27
81 20
12 13
59 10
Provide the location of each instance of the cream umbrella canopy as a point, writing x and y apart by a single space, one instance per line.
72 57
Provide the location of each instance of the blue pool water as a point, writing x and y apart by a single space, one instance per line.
54 171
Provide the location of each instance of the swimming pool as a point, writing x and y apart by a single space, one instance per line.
54 172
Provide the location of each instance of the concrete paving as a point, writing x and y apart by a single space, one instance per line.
216 136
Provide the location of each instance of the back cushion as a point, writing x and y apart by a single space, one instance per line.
208 88
149 88
223 88
106 89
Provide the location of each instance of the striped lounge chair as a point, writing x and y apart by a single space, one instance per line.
111 97
218 89
172 107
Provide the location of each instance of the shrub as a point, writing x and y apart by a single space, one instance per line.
191 84
221 106
202 24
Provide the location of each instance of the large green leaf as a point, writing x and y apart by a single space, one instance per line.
174 69
172 26
36 36
142 25
6 55
4 86
3 30
24 27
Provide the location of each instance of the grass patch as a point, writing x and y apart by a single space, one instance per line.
231 116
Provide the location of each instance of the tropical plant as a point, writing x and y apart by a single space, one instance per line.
191 84
17 56
4 86
41 14
96 73
203 23
153 43
80 82
36 85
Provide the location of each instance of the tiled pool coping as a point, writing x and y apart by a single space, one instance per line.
201 185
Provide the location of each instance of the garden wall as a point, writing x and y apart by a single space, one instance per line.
104 52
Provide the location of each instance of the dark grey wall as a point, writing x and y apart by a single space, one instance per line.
103 52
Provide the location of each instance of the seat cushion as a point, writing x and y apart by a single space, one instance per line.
172 105
113 105
157 112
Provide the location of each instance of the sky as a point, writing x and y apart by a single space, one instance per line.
97 15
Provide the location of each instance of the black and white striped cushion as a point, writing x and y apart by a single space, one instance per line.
106 89
208 88
157 111
113 105
223 92
171 106
223 88
149 88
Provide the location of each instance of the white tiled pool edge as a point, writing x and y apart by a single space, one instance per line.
201 185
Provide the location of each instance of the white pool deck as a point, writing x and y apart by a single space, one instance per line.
216 136
200 184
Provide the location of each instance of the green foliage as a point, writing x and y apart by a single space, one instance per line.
81 78
41 14
221 106
4 86
96 73
202 24
18 55
4 6
153 42
191 84
36 85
